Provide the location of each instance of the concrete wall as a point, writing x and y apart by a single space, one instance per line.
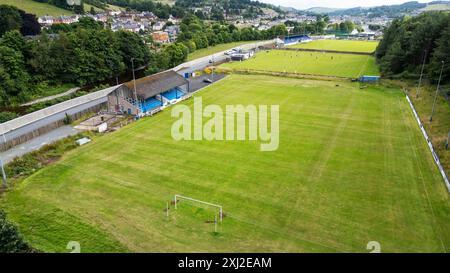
45 125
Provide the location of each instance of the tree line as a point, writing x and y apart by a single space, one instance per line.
85 53
196 34
12 18
410 40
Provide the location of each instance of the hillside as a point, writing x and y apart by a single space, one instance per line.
246 8
37 8
322 10
407 8
437 5
385 10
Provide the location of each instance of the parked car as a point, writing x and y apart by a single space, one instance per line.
231 51
206 80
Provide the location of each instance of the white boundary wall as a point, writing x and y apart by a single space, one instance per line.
430 145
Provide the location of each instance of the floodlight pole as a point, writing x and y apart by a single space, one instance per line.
448 139
437 90
421 73
5 184
134 83
212 75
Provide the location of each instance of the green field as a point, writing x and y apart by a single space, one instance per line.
436 7
339 45
352 167
213 49
40 9
328 64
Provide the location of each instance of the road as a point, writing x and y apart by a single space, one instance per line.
37 143
202 63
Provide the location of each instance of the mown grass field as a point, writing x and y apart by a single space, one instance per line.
352 167
40 9
340 45
328 64
214 49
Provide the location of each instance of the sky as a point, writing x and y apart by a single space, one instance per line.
304 4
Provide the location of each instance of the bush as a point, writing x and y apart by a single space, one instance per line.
11 240
5 116
24 165
29 163
67 119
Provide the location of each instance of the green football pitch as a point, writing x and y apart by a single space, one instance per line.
327 64
351 167
340 45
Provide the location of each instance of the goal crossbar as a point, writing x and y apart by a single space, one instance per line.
199 201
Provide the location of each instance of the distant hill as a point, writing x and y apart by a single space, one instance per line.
321 10
385 10
394 10
40 9
437 5
246 8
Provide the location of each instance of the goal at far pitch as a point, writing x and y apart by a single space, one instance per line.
177 197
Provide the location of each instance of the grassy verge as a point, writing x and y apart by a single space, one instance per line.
439 128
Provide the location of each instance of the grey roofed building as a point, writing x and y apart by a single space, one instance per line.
153 85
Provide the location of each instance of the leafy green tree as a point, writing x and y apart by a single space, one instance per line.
441 53
407 40
392 62
88 23
10 19
130 45
30 25
13 39
14 80
190 45
96 55
178 53
11 240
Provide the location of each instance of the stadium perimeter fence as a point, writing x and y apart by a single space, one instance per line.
327 51
430 145
284 74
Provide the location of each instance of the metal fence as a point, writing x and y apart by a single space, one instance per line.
430 145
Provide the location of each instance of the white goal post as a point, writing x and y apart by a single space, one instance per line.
199 201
